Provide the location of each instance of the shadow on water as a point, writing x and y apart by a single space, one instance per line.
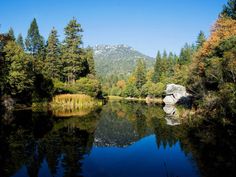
119 139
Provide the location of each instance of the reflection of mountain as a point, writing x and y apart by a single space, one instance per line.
121 125
115 132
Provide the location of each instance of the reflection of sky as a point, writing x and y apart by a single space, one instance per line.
140 159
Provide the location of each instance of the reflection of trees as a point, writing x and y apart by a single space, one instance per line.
213 147
32 138
145 120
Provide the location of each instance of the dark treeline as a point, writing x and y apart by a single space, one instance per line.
34 70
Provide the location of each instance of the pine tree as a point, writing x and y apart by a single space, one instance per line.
200 39
140 73
11 34
20 41
34 41
157 68
52 64
164 64
72 60
90 60
186 53
229 10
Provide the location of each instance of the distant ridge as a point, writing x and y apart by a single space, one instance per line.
117 59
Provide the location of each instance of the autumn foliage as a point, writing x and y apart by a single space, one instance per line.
223 29
212 73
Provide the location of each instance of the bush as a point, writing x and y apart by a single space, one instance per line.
153 89
131 91
116 91
88 86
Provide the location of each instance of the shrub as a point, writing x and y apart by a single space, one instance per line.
88 86
131 91
153 89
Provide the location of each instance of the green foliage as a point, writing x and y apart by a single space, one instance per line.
229 10
215 81
153 89
131 91
53 64
43 88
20 41
116 91
71 53
186 54
140 73
18 79
34 41
11 34
200 39
157 68
89 86
181 74
90 61
27 76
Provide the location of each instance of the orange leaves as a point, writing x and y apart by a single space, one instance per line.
224 28
121 84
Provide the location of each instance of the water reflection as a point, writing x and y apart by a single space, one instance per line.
172 116
121 139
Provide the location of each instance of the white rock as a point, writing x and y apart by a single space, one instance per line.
174 93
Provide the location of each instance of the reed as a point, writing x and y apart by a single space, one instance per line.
74 101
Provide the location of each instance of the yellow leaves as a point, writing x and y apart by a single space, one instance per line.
224 28
121 84
132 79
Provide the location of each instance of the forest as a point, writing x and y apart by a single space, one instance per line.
35 70
70 109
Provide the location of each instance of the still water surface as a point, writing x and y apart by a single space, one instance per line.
118 140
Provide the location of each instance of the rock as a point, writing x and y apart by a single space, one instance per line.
170 110
172 122
174 93
170 100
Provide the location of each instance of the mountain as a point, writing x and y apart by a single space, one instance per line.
117 60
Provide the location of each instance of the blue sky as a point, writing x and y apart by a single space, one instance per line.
146 25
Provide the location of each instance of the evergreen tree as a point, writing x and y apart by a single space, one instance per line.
140 73
11 34
20 41
164 57
157 68
90 60
170 65
229 10
164 64
72 59
200 39
186 53
34 41
52 63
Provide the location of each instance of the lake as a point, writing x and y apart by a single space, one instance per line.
120 139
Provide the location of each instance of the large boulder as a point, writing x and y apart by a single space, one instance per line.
175 93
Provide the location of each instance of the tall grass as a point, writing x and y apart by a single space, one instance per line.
63 112
74 101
